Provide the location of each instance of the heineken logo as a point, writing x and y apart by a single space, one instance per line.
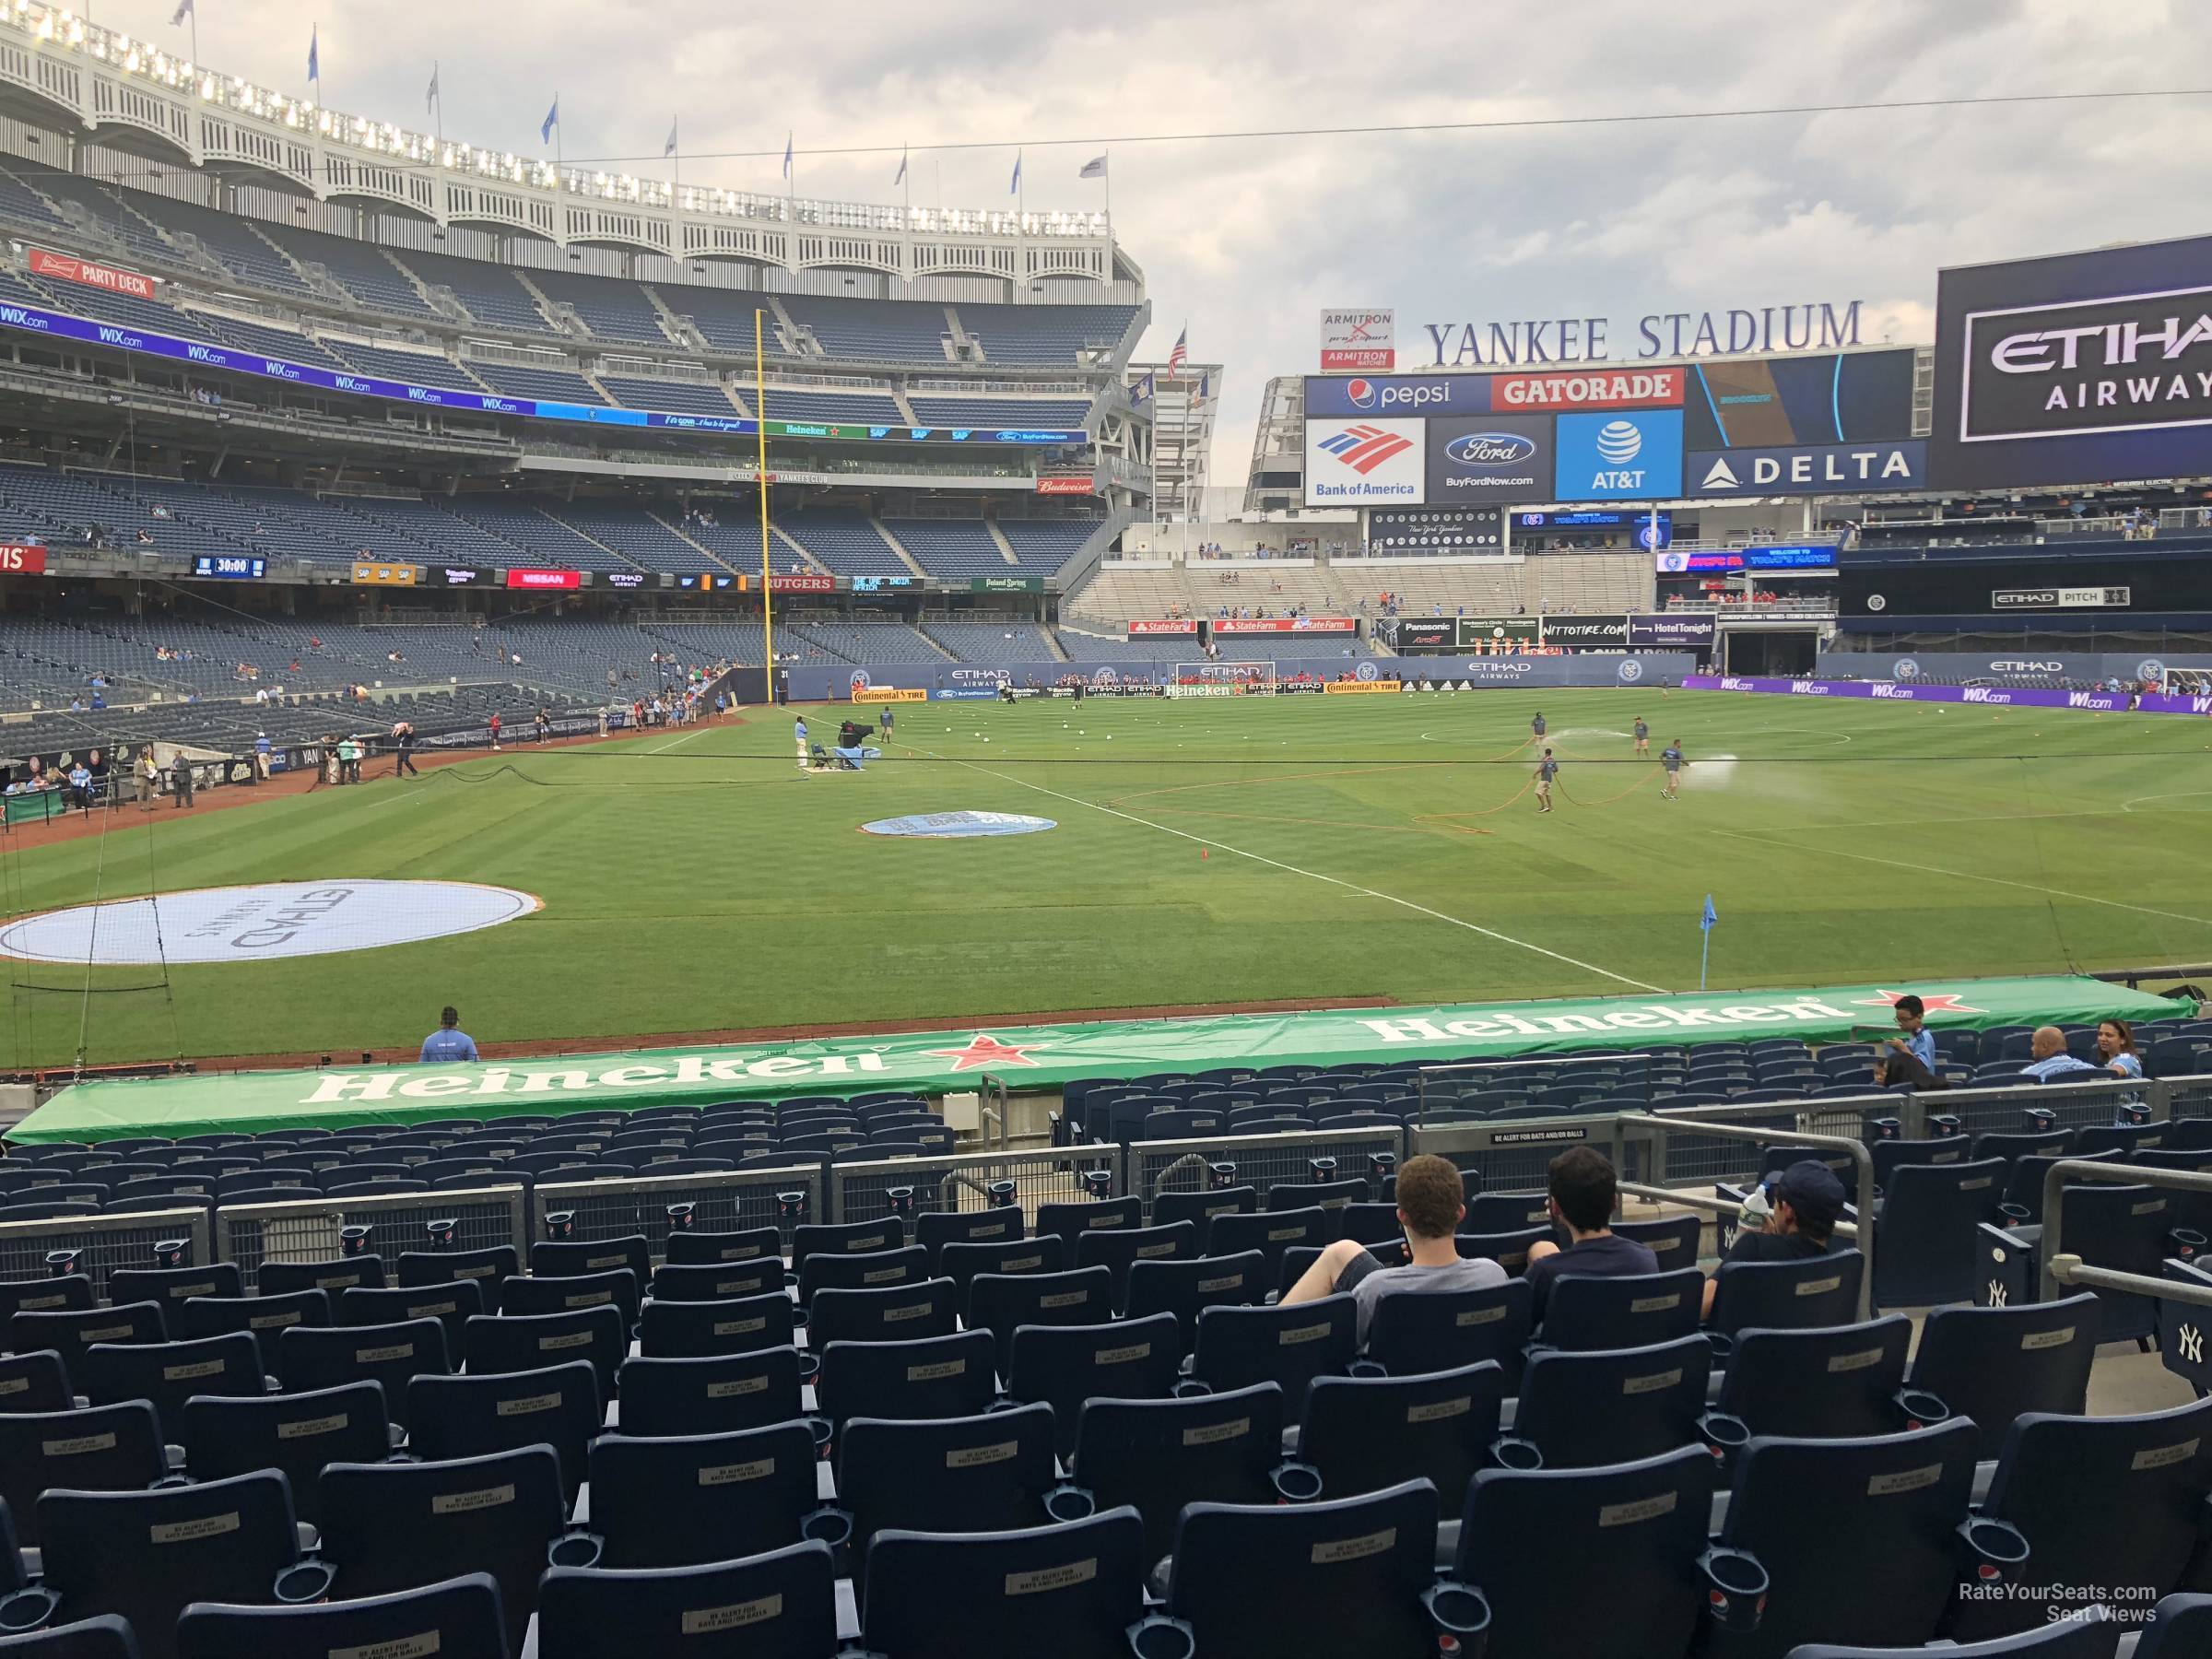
1606 1017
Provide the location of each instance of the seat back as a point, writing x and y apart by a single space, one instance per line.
575 1259
452 1304
2178 1625
1365 1433
106 1637
1046 1252
69 1293
717 1281
685 1501
956 1475
845 1238
1201 1207
710 1394
489 1268
686 1330
456 1616
1673 1240
1287 1345
1588 1311
1000 1302
35 1382
1528 1537
1580 1409
341 1273
1819 1383
523 1342
1927 1251
389 1527
103 1448
1816 1291
1070 1221
170 1286
264 1318
2123 1228
999 1224
1991 1365
311 1358
1158 1456
784 1603
1890 1155
1082 1581
473 1417
1062 1366
1413 1332
686 1249
1185 1288
862 1270
618 1287
1340 1576
142 1556
1115 1247
1882 1567
166 1374
894 1314
297 1433
937 1377
69 1332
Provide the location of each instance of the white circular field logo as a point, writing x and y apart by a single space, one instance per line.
258 923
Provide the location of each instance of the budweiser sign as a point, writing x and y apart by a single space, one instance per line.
1139 631
70 268
1068 487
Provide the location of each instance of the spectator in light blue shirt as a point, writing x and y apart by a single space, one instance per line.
2048 1057
448 1043
1911 1057
2116 1049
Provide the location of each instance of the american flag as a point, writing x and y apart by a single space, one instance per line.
1180 355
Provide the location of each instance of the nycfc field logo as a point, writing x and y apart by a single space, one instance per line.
1366 671
859 680
1904 668
2151 671
1630 671
262 923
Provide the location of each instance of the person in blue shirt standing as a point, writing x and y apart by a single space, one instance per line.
1536 727
1671 758
448 1043
884 722
1546 770
262 757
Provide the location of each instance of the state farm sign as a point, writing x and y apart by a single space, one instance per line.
1139 631
70 268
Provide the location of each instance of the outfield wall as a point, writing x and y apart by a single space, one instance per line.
2022 697
980 682
2129 665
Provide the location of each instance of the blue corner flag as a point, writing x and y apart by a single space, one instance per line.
1705 924
1710 916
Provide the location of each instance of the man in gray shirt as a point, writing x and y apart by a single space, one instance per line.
1431 1201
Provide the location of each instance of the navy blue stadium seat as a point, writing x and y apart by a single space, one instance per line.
1580 1409
1925 1253
1440 1330
1047 1253
311 1358
997 1303
710 1394
533 1341
298 1434
456 1616
1341 1576
618 1287
1185 1288
394 1526
1813 1290
142 1556
166 1374
1070 1221
689 1330
1115 1247
106 1637
35 1382
70 1331
717 1281
1365 1433
1991 1365
473 1417
862 1270
2178 1625
1201 1207
1508 1250
452 1305
1082 1581
1287 1345
1158 1456
341 1273
885 1232
893 1313
101 1449
1842 1380
68 1293
953 1475
2124 1228
781 1605
997 1225
264 1318
170 1286
687 1248
1588 1311
1271 1234
937 1377
685 1501
1062 1366
489 1268
1330 1195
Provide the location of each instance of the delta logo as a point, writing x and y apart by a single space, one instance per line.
1364 448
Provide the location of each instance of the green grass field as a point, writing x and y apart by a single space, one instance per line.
1371 847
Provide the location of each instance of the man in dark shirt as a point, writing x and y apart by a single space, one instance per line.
1808 1201
1580 1200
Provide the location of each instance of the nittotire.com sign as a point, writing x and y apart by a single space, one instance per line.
262 923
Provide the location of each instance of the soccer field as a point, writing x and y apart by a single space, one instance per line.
1206 852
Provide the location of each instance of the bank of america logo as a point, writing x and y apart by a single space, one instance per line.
1364 448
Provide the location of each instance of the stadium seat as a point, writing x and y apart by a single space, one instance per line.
551 1258
1341 1576
35 1382
885 1232
1925 1253
1815 1291
490 1268
1673 1239
1070 1221
69 1293
1082 1581
264 1318
394 1526
69 1332
1364 1433
1158 1455
1588 1311
295 1433
1271 1234
452 1305
1991 1365
2102 1503
166 1374
1442 1330
2178 1625
1331 1196
937 1377
1581 1409
99 1449
1185 1288
1529 1539
784 1605
170 1286
717 1281
958 1474
1842 1379
1201 1207
2022 1204
1047 1253
456 1616
1510 1250
998 1303
473 1417
1890 1155
1114 1249
618 1287
685 1501
310 1359
2125 1228
687 1248
1287 1345
864 1270
688 1330
342 1273
142 1556
894 1314
105 1637
533 1341
1062 1366
999 1224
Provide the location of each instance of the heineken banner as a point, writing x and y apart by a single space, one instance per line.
1041 1057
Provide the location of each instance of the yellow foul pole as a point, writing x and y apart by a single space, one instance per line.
768 605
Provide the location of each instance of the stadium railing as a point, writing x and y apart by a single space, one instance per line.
99 1243
912 1187
2061 1269
308 1229
1261 1161
733 1201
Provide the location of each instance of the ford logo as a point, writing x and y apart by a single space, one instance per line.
1491 449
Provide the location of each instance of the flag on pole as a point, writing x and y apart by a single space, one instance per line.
1093 169
1142 391
669 148
1014 187
429 99
1709 917
552 120
787 155
1180 355
184 11
315 61
1205 385
900 178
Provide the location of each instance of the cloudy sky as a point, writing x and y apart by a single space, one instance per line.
1248 239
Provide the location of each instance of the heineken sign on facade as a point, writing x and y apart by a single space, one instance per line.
1040 1057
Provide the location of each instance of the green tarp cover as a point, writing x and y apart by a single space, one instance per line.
1040 1057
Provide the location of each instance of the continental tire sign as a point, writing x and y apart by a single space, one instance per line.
883 694
1359 687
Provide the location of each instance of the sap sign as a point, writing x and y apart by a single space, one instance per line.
1397 395
1816 469
1352 463
1616 456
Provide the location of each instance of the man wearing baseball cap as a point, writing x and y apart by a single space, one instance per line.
1808 1202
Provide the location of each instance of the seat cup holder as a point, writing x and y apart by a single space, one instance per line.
308 1581
1513 1453
1066 1502
1921 1407
830 1527
1995 1549
26 1610
1736 1588
1295 1482
1157 1637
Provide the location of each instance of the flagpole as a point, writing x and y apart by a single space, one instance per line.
195 15
675 177
1704 955
438 104
1109 186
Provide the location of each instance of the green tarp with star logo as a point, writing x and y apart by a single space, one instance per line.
1042 1057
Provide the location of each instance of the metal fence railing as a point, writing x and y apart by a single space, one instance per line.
308 1229
730 1202
2077 1105
101 1243
1262 1162
2062 1269
1515 1156
910 1186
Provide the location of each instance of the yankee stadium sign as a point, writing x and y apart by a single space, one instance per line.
1813 326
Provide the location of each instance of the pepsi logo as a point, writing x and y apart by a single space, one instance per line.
1360 394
